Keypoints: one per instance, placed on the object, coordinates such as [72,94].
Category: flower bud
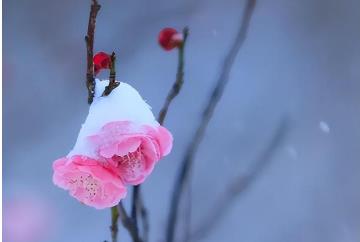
[101,61]
[170,38]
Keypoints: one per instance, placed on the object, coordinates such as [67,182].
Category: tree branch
[144,219]
[138,205]
[241,184]
[128,223]
[114,223]
[135,206]
[89,39]
[112,78]
[208,112]
[90,84]
[174,91]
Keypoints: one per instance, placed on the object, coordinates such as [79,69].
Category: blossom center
[130,164]
[84,184]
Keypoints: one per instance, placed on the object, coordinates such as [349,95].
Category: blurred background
[301,60]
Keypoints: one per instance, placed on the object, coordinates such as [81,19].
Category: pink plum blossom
[119,144]
[88,181]
[132,149]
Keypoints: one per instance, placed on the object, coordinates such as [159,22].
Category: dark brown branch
[135,206]
[128,223]
[241,184]
[208,112]
[138,205]
[112,78]
[90,84]
[144,219]
[89,39]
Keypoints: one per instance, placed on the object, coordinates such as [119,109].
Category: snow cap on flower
[170,38]
[101,61]
[123,104]
[120,136]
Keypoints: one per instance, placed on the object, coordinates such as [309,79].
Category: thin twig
[114,223]
[128,223]
[90,84]
[179,79]
[144,219]
[135,206]
[89,39]
[188,211]
[241,184]
[112,78]
[138,205]
[206,117]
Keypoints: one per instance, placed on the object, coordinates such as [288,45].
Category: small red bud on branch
[170,38]
[101,61]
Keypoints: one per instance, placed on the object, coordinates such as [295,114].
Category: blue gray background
[301,59]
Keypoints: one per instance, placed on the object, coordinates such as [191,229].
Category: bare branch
[138,205]
[144,219]
[114,223]
[128,223]
[188,211]
[89,39]
[241,184]
[112,79]
[90,84]
[208,112]
[178,82]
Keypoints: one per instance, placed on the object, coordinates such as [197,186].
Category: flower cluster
[118,145]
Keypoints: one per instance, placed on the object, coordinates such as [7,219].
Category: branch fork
[112,79]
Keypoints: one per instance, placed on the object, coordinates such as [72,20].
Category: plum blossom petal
[163,137]
[119,144]
[88,181]
[133,149]
[123,104]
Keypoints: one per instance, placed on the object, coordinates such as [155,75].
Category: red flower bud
[101,61]
[169,38]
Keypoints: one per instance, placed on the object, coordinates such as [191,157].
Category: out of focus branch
[208,112]
[114,223]
[187,212]
[89,39]
[144,218]
[128,223]
[138,205]
[241,184]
